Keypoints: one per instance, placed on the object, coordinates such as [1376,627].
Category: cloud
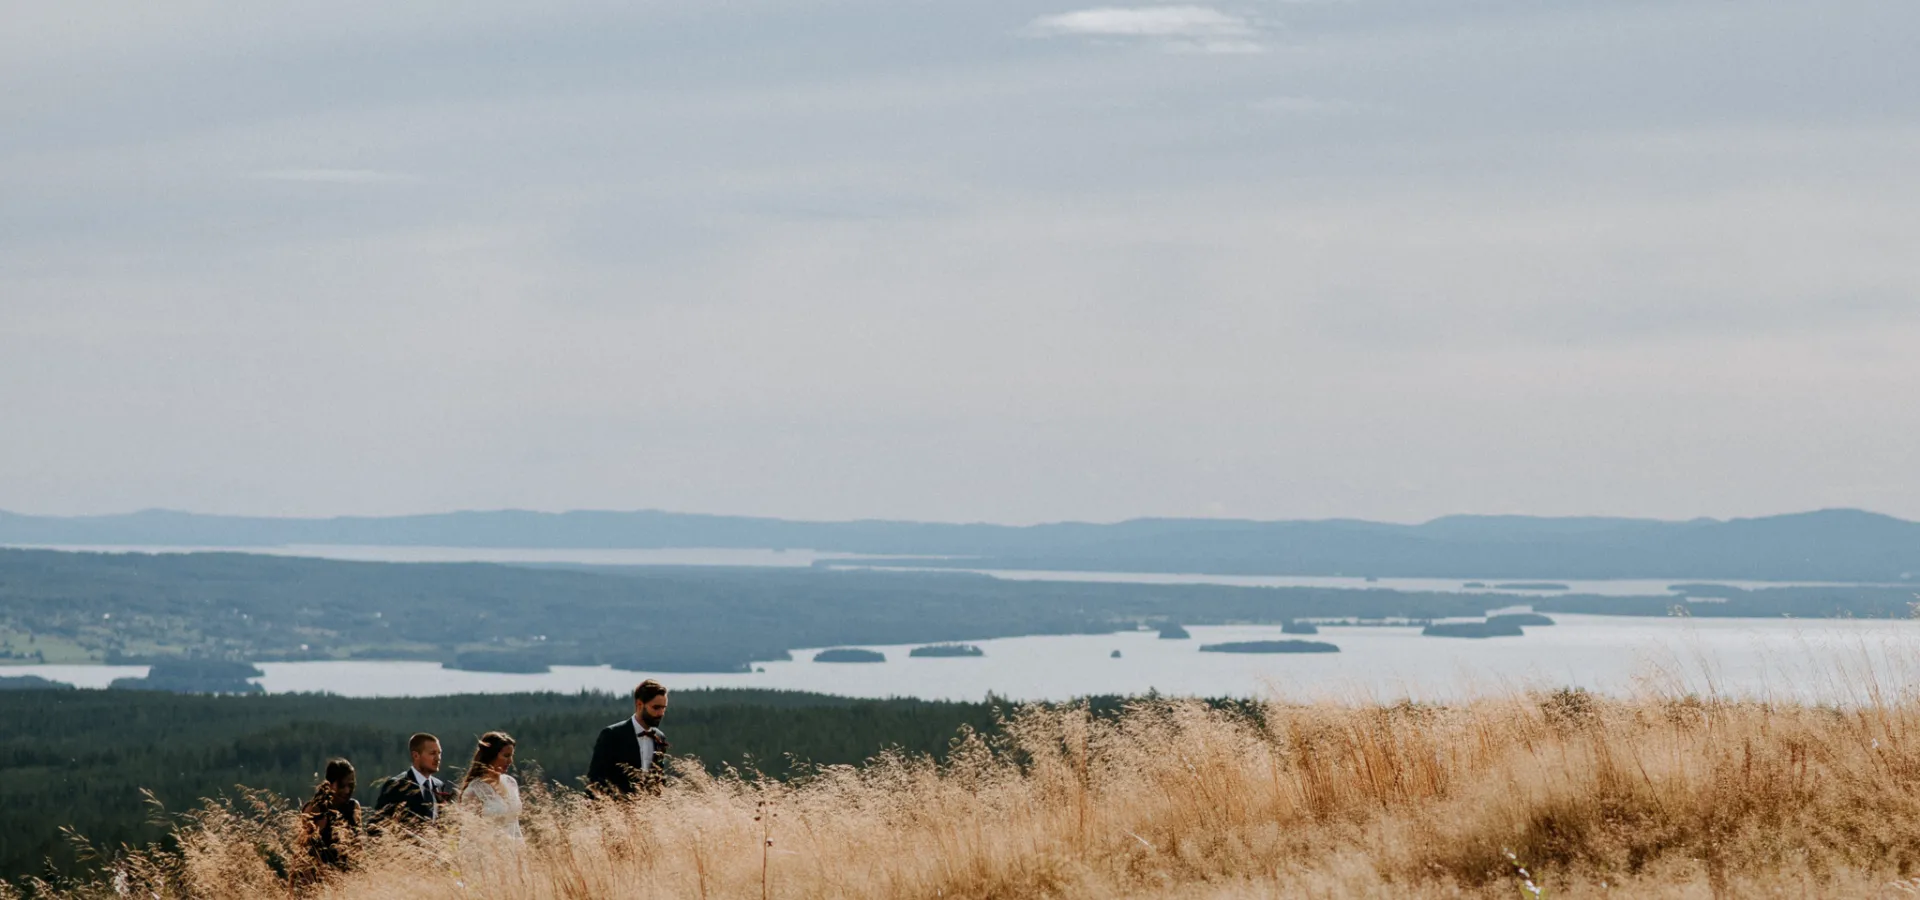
[333,176]
[928,260]
[1201,29]
[1307,106]
[1150,21]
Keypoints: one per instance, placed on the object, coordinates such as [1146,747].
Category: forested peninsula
[61,607]
[135,607]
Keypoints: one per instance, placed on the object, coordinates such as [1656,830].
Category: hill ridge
[1835,544]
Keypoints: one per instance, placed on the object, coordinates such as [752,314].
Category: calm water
[693,556]
[1828,660]
[1618,587]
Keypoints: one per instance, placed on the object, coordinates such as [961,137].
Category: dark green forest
[81,758]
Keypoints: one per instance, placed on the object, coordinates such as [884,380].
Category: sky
[977,260]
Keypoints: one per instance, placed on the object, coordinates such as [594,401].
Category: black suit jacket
[616,760]
[401,797]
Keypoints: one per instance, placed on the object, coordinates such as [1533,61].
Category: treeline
[81,758]
[1723,601]
[252,608]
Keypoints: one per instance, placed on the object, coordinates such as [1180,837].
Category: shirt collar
[420,779]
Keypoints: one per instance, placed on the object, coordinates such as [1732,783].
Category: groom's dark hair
[420,740]
[647,690]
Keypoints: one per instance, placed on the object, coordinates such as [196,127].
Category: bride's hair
[338,771]
[491,745]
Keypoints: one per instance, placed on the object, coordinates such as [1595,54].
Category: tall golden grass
[1574,794]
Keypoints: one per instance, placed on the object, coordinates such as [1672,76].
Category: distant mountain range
[1827,545]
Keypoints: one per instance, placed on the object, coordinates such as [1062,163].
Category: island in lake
[849,655]
[1487,629]
[509,661]
[195,676]
[1270,647]
[947,650]
[1292,627]
[1706,590]
[1527,618]
[1172,631]
[1533,586]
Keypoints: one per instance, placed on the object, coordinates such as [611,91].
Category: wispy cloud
[1147,21]
[1200,29]
[333,176]
[1309,106]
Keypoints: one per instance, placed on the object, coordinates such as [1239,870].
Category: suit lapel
[424,797]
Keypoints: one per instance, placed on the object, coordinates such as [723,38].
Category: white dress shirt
[426,787]
[646,745]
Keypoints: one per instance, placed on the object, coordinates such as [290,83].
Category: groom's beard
[651,721]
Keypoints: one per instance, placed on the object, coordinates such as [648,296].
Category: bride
[488,786]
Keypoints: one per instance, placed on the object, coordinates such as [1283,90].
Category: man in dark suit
[416,795]
[628,755]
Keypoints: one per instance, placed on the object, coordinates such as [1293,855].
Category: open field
[1649,797]
[22,647]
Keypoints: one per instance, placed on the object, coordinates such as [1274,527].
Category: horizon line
[955,524]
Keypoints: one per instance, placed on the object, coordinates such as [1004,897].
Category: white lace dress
[499,806]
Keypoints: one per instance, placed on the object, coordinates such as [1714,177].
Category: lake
[688,556]
[1618,587]
[1836,660]
[1748,656]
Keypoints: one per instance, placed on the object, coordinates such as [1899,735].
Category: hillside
[1827,545]
[107,746]
[1564,795]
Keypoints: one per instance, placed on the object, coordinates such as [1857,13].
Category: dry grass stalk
[1654,797]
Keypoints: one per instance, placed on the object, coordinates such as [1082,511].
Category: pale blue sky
[961,260]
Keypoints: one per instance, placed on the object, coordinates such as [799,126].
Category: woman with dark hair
[489,787]
[330,822]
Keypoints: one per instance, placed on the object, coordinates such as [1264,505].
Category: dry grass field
[1554,795]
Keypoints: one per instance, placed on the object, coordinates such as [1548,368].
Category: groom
[416,795]
[627,756]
